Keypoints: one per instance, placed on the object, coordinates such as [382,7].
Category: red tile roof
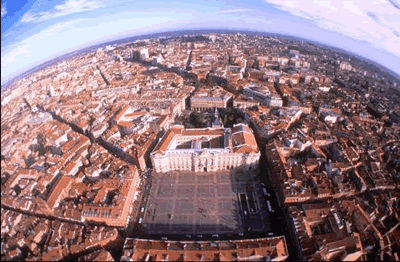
[63,184]
[209,251]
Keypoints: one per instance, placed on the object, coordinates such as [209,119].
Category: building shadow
[212,205]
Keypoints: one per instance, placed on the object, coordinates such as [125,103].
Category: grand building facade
[209,102]
[206,149]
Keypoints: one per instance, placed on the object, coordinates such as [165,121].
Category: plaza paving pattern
[185,202]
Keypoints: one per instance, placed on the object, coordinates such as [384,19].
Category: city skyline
[212,146]
[35,32]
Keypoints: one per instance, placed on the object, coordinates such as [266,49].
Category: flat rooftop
[186,202]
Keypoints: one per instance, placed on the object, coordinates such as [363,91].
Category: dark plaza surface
[186,202]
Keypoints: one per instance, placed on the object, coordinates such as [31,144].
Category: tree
[41,139]
[209,81]
[197,119]
[29,161]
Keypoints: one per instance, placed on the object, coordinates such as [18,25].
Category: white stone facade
[204,161]
[208,149]
[206,103]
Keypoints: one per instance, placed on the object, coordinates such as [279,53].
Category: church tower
[217,120]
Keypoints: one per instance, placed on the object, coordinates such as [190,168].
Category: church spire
[217,120]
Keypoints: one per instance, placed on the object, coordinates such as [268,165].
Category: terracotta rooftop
[139,113]
[121,113]
[209,251]
[62,185]
[125,123]
[243,139]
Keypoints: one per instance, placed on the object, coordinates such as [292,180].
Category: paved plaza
[186,202]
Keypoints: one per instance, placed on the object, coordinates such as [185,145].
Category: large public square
[209,203]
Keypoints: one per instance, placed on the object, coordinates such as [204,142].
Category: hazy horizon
[34,32]
[169,33]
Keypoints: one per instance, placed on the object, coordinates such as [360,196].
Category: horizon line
[7,83]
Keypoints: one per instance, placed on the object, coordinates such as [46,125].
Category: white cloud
[66,8]
[17,52]
[292,4]
[13,55]
[324,4]
[3,10]
[228,11]
[375,22]
[349,5]
[59,26]
[28,17]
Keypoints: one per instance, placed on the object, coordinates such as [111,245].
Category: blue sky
[36,31]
